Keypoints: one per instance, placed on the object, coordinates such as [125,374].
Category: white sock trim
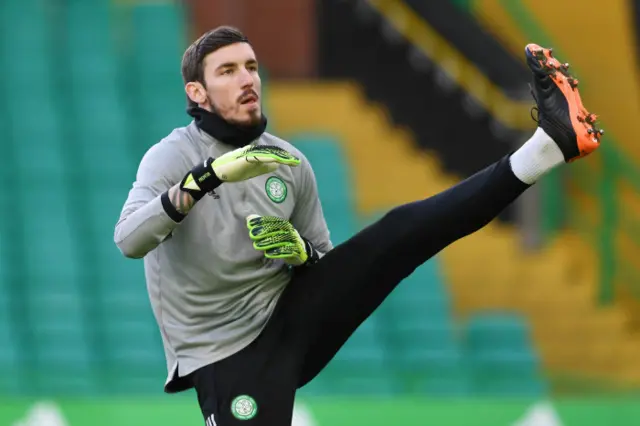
[537,157]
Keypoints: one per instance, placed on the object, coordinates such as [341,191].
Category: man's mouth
[249,100]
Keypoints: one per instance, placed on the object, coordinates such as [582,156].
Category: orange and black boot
[560,111]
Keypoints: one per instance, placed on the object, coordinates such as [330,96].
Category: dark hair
[209,42]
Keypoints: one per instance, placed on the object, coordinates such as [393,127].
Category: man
[251,298]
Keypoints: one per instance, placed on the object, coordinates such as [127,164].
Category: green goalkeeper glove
[235,166]
[278,239]
[251,161]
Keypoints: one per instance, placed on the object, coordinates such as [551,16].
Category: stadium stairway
[614,76]
[446,92]
[516,23]
[555,288]
[513,23]
[562,27]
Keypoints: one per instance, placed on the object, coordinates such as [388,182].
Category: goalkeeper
[251,299]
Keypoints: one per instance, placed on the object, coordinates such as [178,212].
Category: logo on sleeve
[276,189]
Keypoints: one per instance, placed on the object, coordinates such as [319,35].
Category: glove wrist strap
[200,180]
[312,253]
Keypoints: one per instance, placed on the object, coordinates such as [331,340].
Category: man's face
[233,85]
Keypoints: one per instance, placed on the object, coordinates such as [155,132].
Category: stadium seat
[501,356]
[421,335]
[333,180]
[100,133]
[23,42]
[363,351]
[157,42]
[132,339]
[501,372]
[9,357]
[497,330]
[40,143]
[9,331]
[28,80]
[433,371]
[361,365]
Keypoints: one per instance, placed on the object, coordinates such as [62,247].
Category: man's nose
[246,80]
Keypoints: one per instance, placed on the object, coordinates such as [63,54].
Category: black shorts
[257,385]
[326,302]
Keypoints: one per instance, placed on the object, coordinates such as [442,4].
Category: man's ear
[196,92]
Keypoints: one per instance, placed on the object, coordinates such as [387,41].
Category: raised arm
[166,190]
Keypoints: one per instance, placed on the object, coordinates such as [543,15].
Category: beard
[252,119]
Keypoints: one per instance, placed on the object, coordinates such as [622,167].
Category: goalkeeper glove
[235,166]
[278,239]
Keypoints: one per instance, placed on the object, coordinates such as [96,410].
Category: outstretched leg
[338,293]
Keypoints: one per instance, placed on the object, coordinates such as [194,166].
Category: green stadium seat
[23,43]
[10,372]
[415,310]
[101,133]
[88,26]
[376,384]
[158,41]
[427,360]
[363,350]
[501,356]
[534,387]
[91,72]
[58,322]
[103,152]
[433,371]
[52,254]
[332,178]
[361,365]
[452,385]
[159,35]
[420,306]
[9,356]
[55,309]
[500,362]
[134,343]
[164,111]
[372,383]
[437,335]
[131,336]
[38,141]
[497,330]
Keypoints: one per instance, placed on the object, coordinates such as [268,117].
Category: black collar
[224,131]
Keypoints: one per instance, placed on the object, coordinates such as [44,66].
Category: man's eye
[228,72]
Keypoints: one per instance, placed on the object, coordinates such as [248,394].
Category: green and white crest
[276,189]
[244,407]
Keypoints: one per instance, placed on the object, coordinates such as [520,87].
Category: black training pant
[325,303]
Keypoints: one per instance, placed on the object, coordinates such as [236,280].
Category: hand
[251,161]
[278,239]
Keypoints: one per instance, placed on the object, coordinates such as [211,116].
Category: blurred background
[533,321]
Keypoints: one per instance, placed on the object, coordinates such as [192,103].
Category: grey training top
[211,292]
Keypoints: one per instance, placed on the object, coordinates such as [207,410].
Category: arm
[307,216]
[156,204]
[163,194]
